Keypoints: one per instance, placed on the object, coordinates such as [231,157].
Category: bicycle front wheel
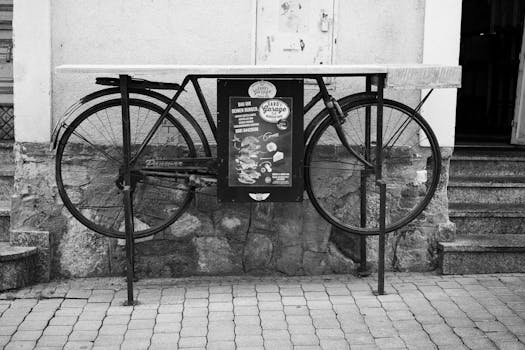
[343,189]
[89,169]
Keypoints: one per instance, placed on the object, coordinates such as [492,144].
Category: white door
[518,125]
[294,32]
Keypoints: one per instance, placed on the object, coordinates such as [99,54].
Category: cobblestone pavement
[420,311]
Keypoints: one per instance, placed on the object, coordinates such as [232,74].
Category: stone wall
[213,239]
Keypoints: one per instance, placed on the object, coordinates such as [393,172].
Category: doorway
[491,41]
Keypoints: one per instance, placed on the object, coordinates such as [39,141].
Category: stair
[19,265]
[483,254]
[486,195]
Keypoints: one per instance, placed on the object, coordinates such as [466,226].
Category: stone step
[475,254]
[498,190]
[487,165]
[487,218]
[17,266]
[5,215]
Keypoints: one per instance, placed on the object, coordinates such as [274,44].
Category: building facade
[216,239]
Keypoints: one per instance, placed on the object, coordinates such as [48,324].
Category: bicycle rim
[89,169]
[344,191]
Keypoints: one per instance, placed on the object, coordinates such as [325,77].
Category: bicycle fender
[61,124]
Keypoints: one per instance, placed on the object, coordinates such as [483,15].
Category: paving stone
[221,345]
[304,339]
[7,330]
[80,336]
[192,342]
[20,345]
[390,343]
[113,329]
[480,343]
[26,335]
[108,340]
[135,345]
[63,321]
[333,344]
[141,324]
[277,313]
[248,340]
[52,340]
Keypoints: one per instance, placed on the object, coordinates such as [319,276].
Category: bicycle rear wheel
[89,169]
[343,189]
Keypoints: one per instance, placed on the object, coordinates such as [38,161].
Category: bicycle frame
[323,94]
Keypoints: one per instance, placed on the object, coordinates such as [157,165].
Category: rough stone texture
[257,252]
[17,266]
[5,218]
[41,240]
[158,257]
[82,252]
[232,221]
[460,263]
[215,256]
[213,238]
[483,254]
[495,219]
[189,225]
[7,170]
[413,247]
[289,260]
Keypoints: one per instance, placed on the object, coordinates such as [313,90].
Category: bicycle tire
[186,117]
[411,168]
[88,173]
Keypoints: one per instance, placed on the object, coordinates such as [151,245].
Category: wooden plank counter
[398,76]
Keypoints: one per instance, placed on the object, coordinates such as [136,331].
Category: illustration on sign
[260,133]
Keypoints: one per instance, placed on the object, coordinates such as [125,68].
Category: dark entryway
[491,35]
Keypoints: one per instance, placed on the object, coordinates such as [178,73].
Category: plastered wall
[194,32]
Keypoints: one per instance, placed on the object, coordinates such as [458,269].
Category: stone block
[232,221]
[206,199]
[157,258]
[42,241]
[5,218]
[263,216]
[190,224]
[315,263]
[483,254]
[316,230]
[289,260]
[17,266]
[339,263]
[215,256]
[81,252]
[288,221]
[257,252]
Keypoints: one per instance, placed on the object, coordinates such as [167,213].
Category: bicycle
[171,158]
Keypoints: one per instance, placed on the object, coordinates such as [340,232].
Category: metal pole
[381,184]
[382,219]
[362,270]
[127,200]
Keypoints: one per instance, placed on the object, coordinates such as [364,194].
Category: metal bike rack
[377,79]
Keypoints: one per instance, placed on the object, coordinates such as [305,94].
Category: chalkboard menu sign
[260,140]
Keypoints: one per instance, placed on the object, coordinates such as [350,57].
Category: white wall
[147,32]
[32,70]
[208,32]
[441,46]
